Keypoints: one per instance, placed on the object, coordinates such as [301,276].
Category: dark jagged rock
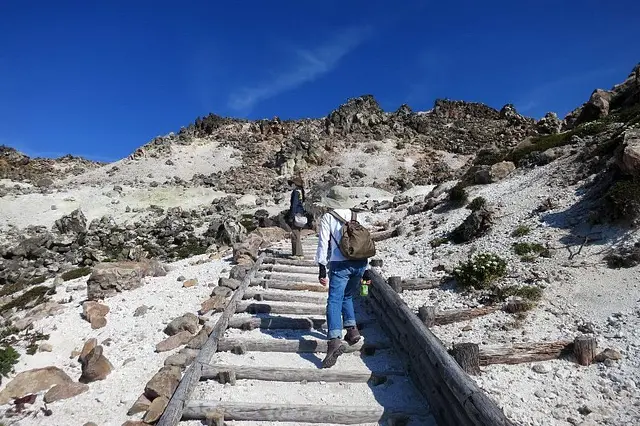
[75,223]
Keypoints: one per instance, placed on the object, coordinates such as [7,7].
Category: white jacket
[330,232]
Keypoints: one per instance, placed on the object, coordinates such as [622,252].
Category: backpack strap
[337,217]
[354,216]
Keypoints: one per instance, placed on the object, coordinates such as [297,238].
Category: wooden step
[299,413]
[289,285]
[276,276]
[290,269]
[240,345]
[296,297]
[280,308]
[284,374]
[291,262]
[287,323]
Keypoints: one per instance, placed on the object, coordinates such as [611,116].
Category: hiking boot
[335,348]
[353,335]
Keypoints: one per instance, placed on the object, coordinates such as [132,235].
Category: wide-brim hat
[296,180]
[338,198]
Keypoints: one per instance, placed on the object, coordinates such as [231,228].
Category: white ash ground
[132,339]
[576,291]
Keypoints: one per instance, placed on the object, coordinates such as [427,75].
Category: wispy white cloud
[307,65]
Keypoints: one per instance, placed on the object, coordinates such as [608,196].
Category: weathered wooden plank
[443,404]
[290,269]
[280,308]
[265,295]
[174,410]
[300,413]
[480,409]
[421,283]
[282,345]
[280,374]
[281,276]
[289,285]
[524,352]
[291,262]
[283,323]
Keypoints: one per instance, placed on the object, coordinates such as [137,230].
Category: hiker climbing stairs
[261,363]
[267,364]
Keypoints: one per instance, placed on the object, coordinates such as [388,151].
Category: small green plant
[8,358]
[623,199]
[12,288]
[527,292]
[528,258]
[523,249]
[437,242]
[521,231]
[76,273]
[458,195]
[190,248]
[32,349]
[477,204]
[480,271]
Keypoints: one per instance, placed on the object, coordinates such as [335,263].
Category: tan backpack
[356,242]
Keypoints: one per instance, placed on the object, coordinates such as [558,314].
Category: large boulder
[33,381]
[501,170]
[474,226]
[163,383]
[73,223]
[597,107]
[550,124]
[187,322]
[108,279]
[95,366]
[357,114]
[629,161]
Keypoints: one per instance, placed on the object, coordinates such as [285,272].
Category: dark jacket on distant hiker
[296,209]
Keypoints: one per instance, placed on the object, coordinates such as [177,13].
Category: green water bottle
[364,288]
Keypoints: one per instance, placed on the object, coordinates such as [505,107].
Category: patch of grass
[36,281]
[39,294]
[8,358]
[523,249]
[12,288]
[542,143]
[527,292]
[480,271]
[190,248]
[477,204]
[458,195]
[437,242]
[521,231]
[528,258]
[76,273]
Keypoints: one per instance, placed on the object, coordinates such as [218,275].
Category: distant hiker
[343,246]
[297,217]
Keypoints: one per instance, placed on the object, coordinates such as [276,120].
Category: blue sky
[101,80]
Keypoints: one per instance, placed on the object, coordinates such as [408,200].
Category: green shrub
[8,358]
[623,198]
[527,292]
[12,288]
[477,204]
[523,249]
[458,195]
[521,231]
[190,248]
[480,271]
[528,258]
[76,273]
[437,242]
[36,293]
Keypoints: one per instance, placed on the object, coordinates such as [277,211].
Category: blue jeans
[344,279]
